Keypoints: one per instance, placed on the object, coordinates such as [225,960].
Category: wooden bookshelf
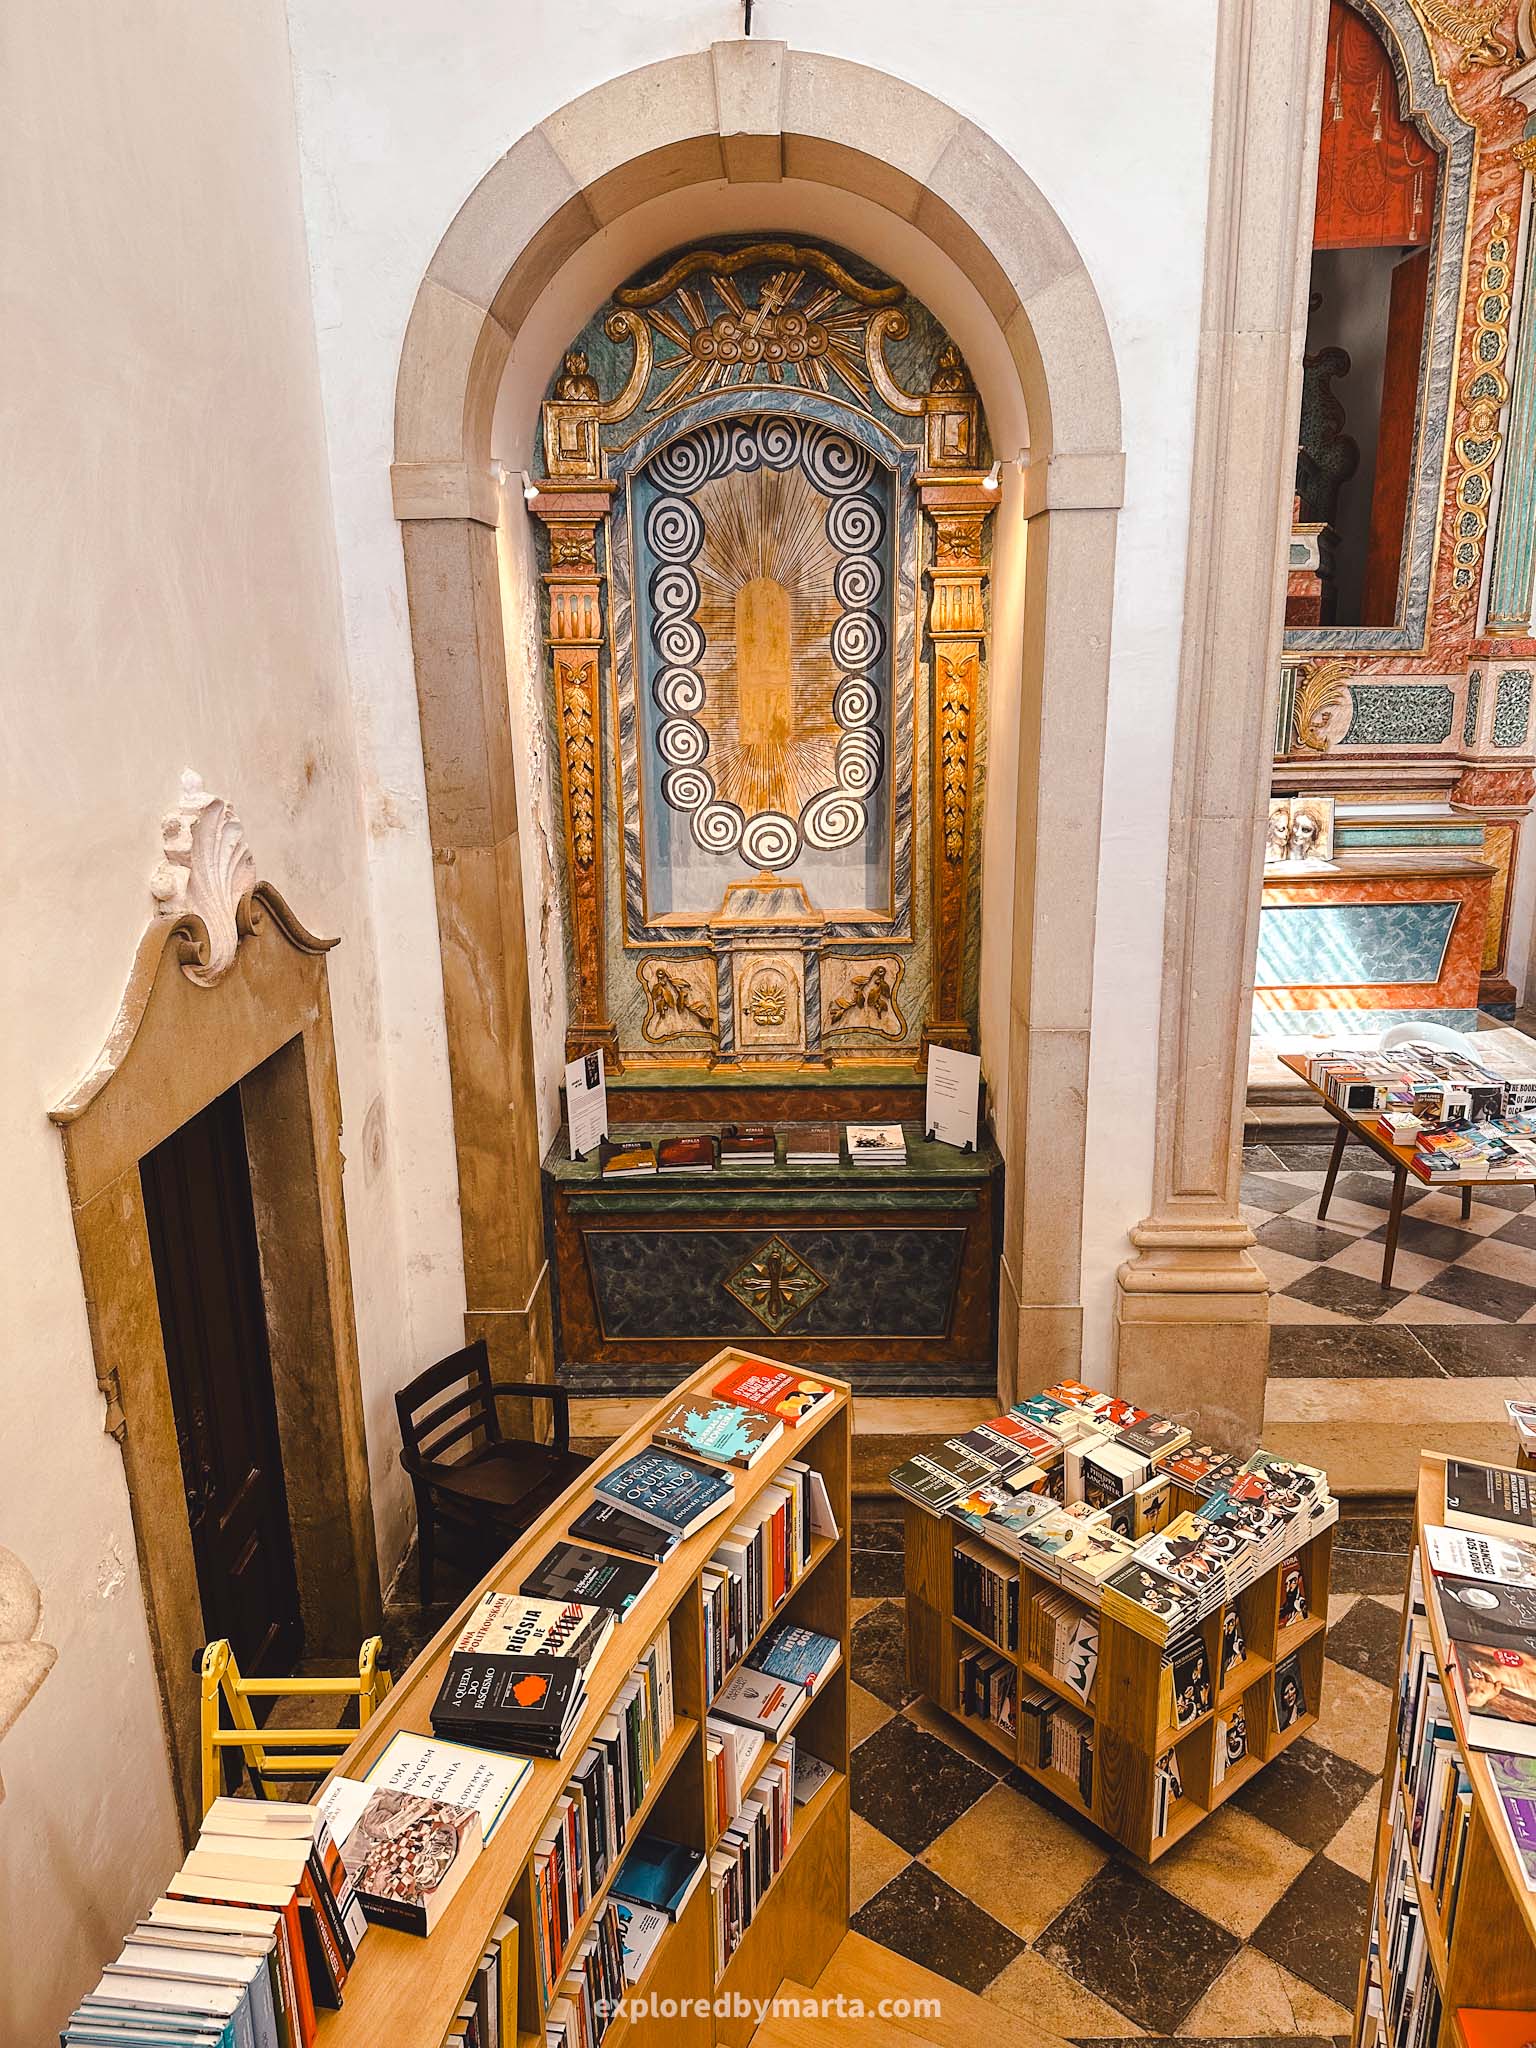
[1489,1962]
[407,1991]
[1129,1733]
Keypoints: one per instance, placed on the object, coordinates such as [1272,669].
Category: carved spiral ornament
[841,471]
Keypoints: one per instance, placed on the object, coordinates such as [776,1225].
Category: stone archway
[758,112]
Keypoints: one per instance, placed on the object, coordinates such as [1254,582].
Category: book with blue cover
[668,1492]
[724,1432]
[659,1873]
[798,1654]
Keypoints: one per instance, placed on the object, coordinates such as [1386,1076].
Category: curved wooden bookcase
[406,1991]
[1489,1963]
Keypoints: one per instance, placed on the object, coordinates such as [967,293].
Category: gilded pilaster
[573,514]
[958,509]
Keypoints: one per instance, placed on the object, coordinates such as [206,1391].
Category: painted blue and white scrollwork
[856,526]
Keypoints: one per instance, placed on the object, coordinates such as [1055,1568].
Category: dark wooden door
[202,1235]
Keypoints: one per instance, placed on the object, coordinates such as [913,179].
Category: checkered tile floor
[1250,1930]
[1482,1270]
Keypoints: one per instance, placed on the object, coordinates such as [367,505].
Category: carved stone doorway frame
[263,1023]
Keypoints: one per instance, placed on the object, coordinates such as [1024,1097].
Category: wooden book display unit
[406,1991]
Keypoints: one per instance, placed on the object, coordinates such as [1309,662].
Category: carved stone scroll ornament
[25,1660]
[1470,25]
[1325,705]
[205,872]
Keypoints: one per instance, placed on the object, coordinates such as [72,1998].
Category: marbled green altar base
[885,1275]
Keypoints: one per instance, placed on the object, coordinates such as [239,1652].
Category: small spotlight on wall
[992,481]
[530,488]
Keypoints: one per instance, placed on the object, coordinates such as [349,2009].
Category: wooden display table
[405,1992]
[1129,1735]
[1398,1157]
[1489,1961]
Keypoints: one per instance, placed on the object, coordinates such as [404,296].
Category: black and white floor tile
[1450,1271]
[1250,1930]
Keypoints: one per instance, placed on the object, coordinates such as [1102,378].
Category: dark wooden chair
[464,1471]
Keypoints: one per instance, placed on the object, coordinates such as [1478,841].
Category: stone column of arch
[1192,1315]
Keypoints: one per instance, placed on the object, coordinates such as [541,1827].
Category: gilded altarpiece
[1418,724]
[763,503]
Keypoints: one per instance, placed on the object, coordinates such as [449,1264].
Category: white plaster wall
[171,600]
[402,108]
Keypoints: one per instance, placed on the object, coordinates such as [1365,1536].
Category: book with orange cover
[777,1390]
[1496,2029]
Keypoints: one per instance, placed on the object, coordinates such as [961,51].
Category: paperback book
[659,1874]
[876,1145]
[670,1493]
[778,1391]
[570,1573]
[723,1432]
[1465,1555]
[528,1704]
[612,1527]
[407,1856]
[1489,1500]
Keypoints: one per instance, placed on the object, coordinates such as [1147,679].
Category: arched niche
[759,113]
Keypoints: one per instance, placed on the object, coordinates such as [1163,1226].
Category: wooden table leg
[1466,1203]
[1339,1143]
[1394,1218]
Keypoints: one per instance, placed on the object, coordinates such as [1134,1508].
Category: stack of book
[1056,1737]
[782,1676]
[627,1159]
[1084,1488]
[258,1928]
[731,1752]
[516,1676]
[674,1495]
[985,1687]
[718,1432]
[1483,1565]
[986,1595]
[589,1992]
[1063,1639]
[686,1155]
[592,1820]
[748,1145]
[755,1568]
[1148,1601]
[876,1145]
[811,1145]
[750,1853]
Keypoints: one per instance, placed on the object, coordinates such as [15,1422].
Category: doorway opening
[201,1220]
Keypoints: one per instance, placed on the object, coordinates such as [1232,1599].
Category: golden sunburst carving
[767,607]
